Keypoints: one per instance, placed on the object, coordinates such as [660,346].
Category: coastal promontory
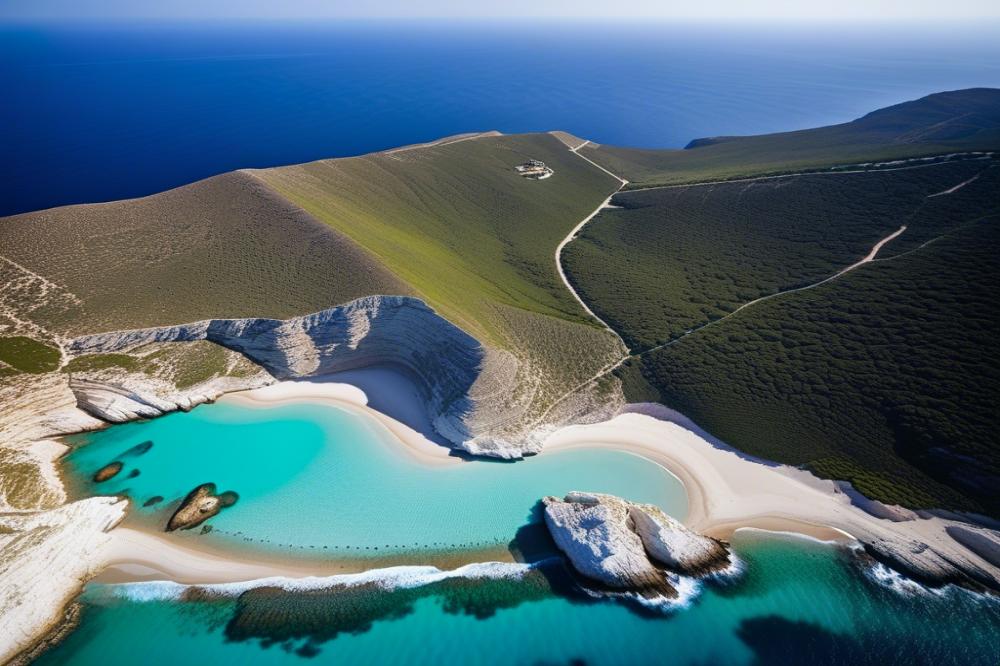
[627,546]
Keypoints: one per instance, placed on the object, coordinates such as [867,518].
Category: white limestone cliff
[452,367]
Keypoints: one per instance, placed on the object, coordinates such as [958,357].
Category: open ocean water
[96,113]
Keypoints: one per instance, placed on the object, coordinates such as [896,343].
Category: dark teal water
[92,113]
[797,603]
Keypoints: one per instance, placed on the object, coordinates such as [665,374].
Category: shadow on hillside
[393,391]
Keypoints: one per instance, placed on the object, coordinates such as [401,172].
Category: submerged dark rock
[199,505]
[109,471]
[138,449]
[155,499]
[134,473]
[304,620]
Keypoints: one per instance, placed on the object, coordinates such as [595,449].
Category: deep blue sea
[93,113]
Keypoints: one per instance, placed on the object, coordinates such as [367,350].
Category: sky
[680,10]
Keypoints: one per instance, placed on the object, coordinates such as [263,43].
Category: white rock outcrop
[396,331]
[129,396]
[671,544]
[37,407]
[33,410]
[594,533]
[626,546]
[45,557]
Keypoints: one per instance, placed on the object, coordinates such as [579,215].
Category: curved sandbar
[727,490]
[490,521]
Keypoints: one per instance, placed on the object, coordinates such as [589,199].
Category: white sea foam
[389,578]
[794,535]
[897,582]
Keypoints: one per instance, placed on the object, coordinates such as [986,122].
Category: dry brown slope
[222,247]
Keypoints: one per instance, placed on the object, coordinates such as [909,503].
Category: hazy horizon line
[499,20]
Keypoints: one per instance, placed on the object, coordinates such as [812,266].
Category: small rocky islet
[199,505]
[114,468]
[629,547]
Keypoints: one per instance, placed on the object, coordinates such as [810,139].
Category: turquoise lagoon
[797,602]
[315,480]
[310,475]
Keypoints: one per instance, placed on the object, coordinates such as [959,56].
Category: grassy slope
[451,223]
[888,377]
[458,224]
[674,258]
[933,125]
[222,247]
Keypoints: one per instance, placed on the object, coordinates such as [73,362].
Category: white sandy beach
[727,490]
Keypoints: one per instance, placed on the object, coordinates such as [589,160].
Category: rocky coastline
[398,331]
[650,552]
[630,547]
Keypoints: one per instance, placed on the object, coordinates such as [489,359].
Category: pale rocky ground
[47,556]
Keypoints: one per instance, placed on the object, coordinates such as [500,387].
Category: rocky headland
[629,547]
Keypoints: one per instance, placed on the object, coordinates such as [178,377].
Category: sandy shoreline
[136,555]
[727,490]
[351,398]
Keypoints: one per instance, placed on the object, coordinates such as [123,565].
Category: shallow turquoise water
[317,480]
[796,603]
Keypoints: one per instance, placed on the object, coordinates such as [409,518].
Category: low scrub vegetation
[24,354]
[888,377]
[222,247]
[672,259]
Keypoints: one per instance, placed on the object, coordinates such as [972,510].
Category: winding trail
[572,234]
[870,257]
[956,188]
[832,171]
[867,259]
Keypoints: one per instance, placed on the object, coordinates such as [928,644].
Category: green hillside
[457,223]
[934,125]
[670,259]
[888,377]
[449,222]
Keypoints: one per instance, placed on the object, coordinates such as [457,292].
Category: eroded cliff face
[459,377]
